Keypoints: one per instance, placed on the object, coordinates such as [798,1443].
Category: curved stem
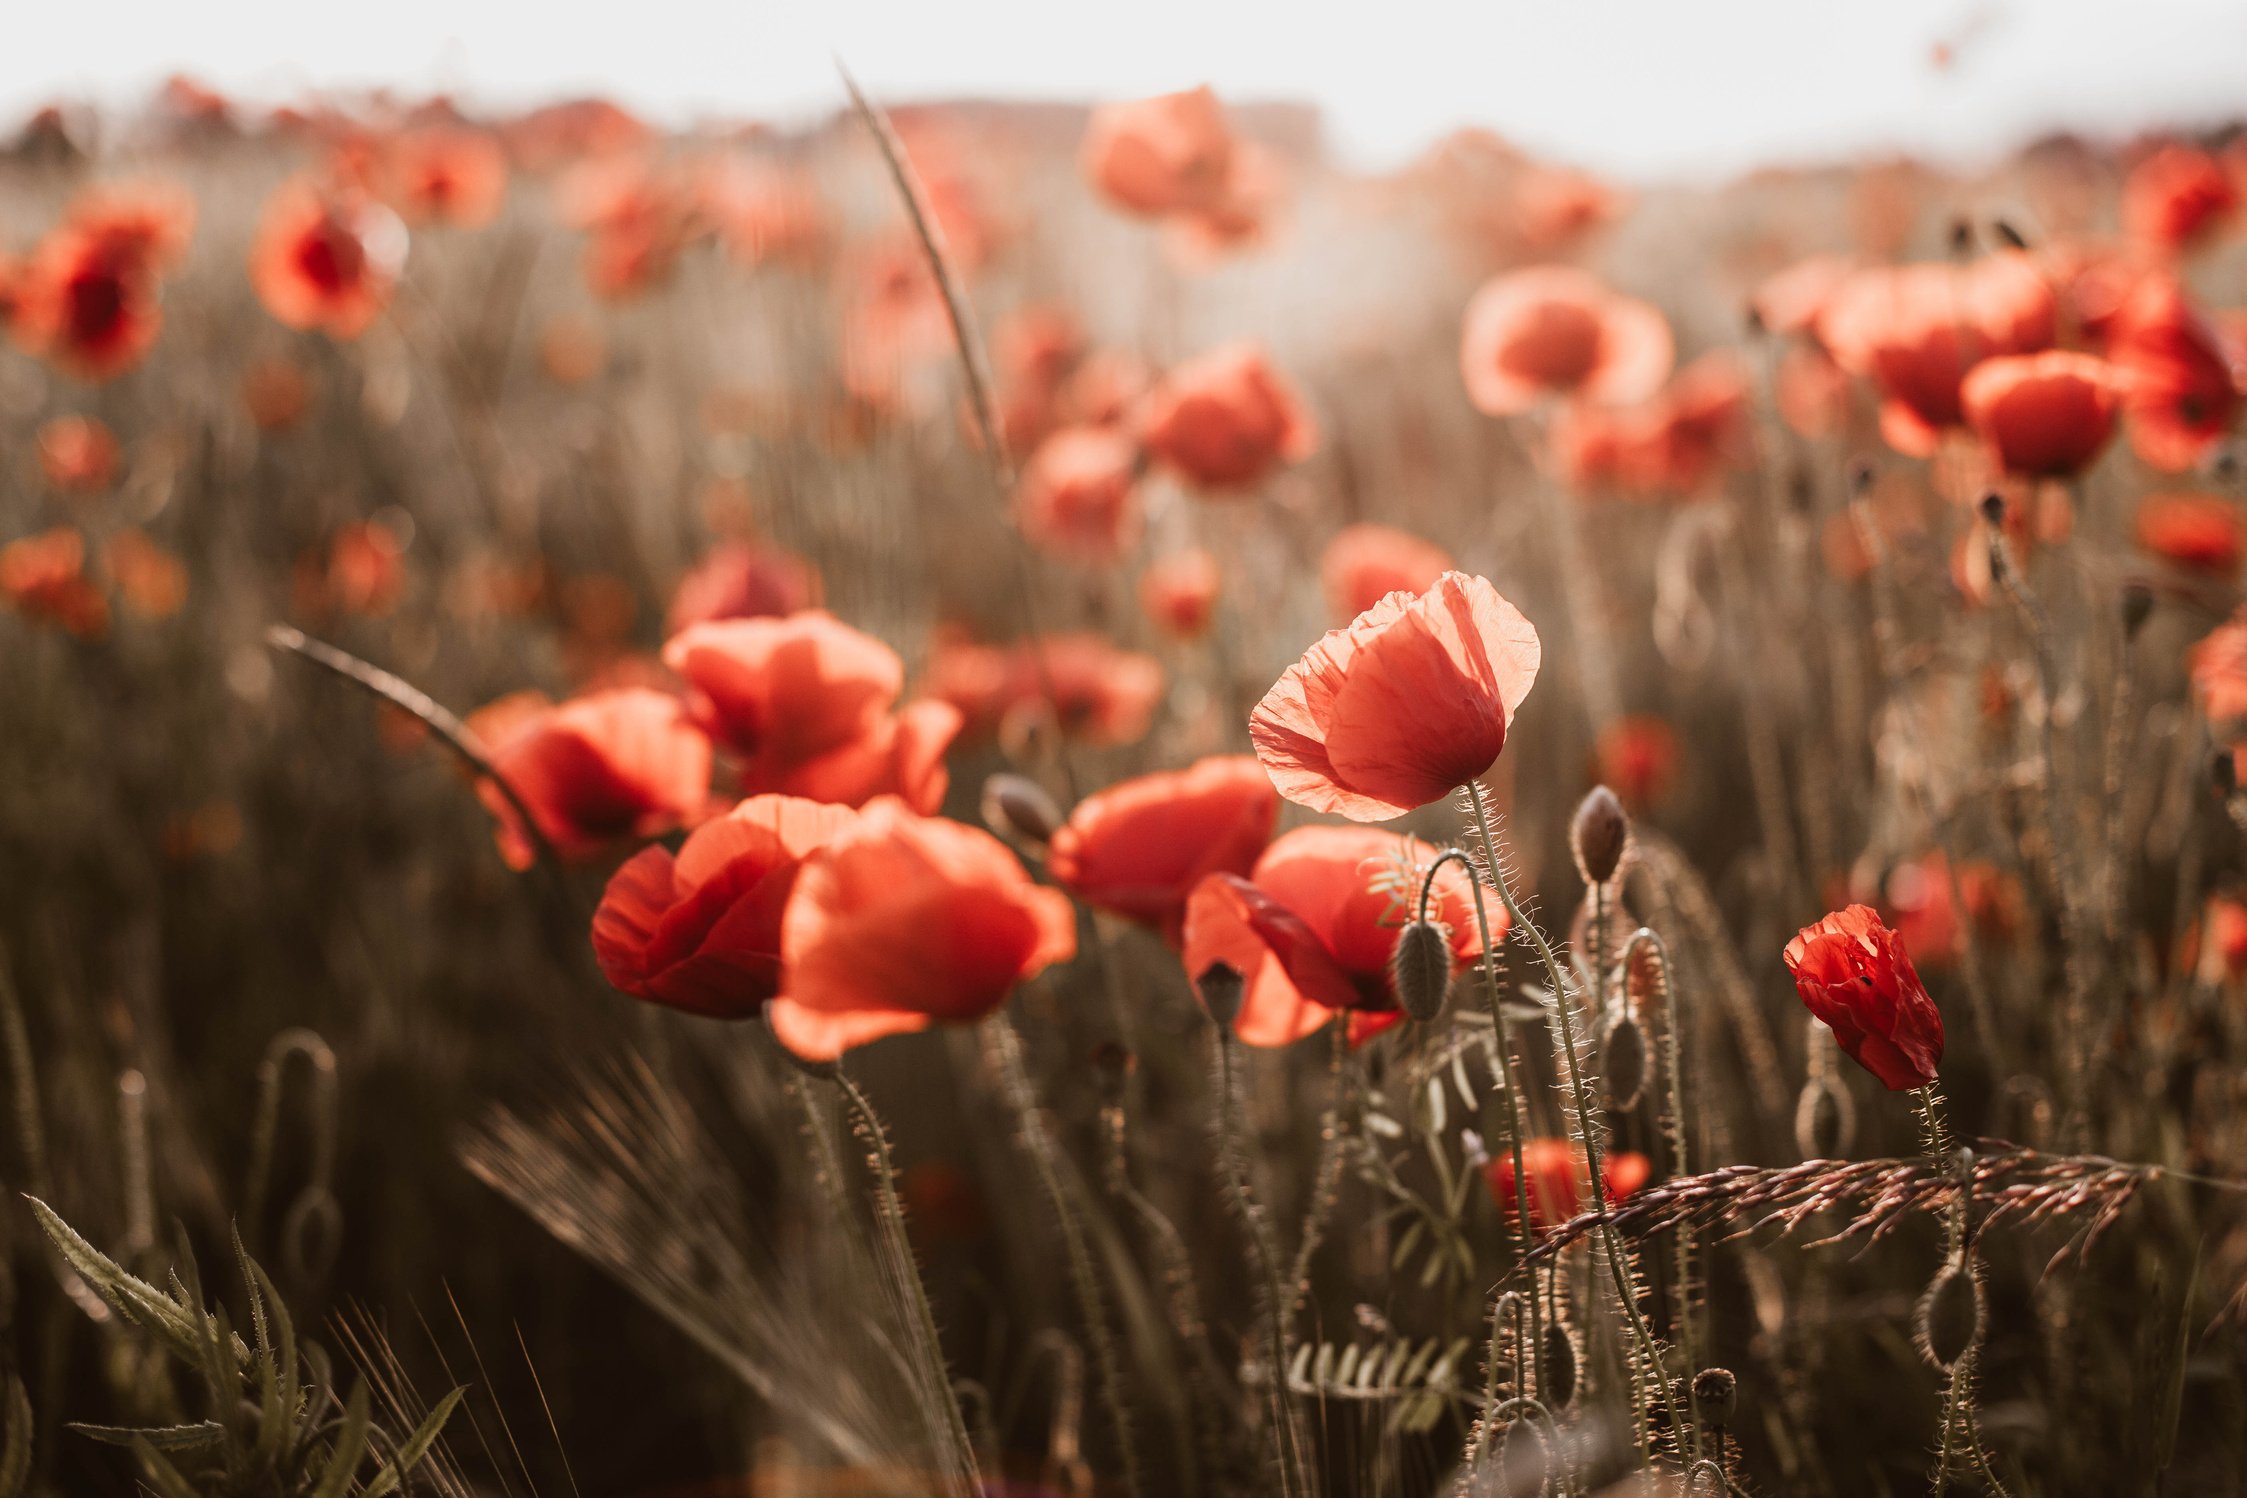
[1233,1155]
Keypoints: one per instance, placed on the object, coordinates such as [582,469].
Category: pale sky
[1637,88]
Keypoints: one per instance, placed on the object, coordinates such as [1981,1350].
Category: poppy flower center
[330,257]
[1557,344]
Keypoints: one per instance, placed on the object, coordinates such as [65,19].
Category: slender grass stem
[1327,1181]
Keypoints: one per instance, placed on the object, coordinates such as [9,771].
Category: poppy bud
[1560,1365]
[1962,237]
[2014,238]
[1716,1394]
[1645,980]
[1622,1057]
[2137,607]
[1993,508]
[1825,1121]
[1599,834]
[1862,473]
[1221,988]
[1949,1318]
[1018,809]
[1420,970]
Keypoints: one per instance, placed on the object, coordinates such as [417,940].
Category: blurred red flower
[2218,668]
[2178,394]
[276,392]
[326,260]
[44,577]
[2046,415]
[1139,847]
[2176,197]
[1637,757]
[1178,592]
[1227,420]
[151,581]
[1313,926]
[742,580]
[1928,903]
[597,769]
[87,298]
[2200,532]
[1793,300]
[765,212]
[1854,974]
[639,220]
[1075,494]
[1556,1169]
[1169,154]
[447,174]
[78,454]
[1401,708]
[900,921]
[1678,443]
[1556,331]
[1812,392]
[1365,563]
[701,931]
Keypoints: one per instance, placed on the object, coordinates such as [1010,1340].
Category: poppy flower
[1169,154]
[2178,397]
[276,393]
[2176,197]
[1075,496]
[742,580]
[1178,592]
[78,454]
[1227,420]
[765,212]
[1365,563]
[447,174]
[1138,848]
[1931,905]
[1240,218]
[899,921]
[2199,532]
[1853,974]
[597,769]
[1556,206]
[701,931]
[1409,702]
[1034,350]
[638,220]
[2223,940]
[2045,415]
[1637,757]
[151,581]
[2218,668]
[1915,330]
[326,260]
[87,302]
[1555,1168]
[1811,391]
[1556,331]
[44,577]
[808,703]
[1675,443]
[1313,926]
[1791,301]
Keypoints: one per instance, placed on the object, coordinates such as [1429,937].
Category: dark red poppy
[742,580]
[2178,395]
[88,301]
[44,577]
[2046,415]
[1365,563]
[1854,975]
[1227,420]
[447,174]
[1553,331]
[2177,197]
[1139,847]
[2199,532]
[899,921]
[1076,494]
[594,771]
[1401,708]
[701,931]
[1178,592]
[326,259]
[1557,1172]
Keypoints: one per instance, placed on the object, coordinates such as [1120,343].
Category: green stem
[1327,1181]
[1674,1136]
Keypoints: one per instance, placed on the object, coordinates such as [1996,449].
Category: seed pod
[1598,835]
[2137,606]
[1420,970]
[1716,1394]
[1560,1365]
[1825,1121]
[1993,508]
[1622,1061]
[1948,1323]
[1018,809]
[1221,988]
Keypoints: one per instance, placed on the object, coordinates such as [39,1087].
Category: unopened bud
[1825,1121]
[2137,606]
[1560,1365]
[1420,970]
[1716,1395]
[2014,238]
[1018,809]
[1962,237]
[1645,979]
[1221,987]
[1598,835]
[1949,1318]
[1622,1059]
[1993,508]
[1862,474]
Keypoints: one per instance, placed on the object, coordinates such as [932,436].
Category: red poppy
[1365,563]
[152,581]
[1169,154]
[766,213]
[1227,420]
[1035,349]
[276,392]
[639,220]
[1556,1169]
[1792,300]
[1637,756]
[701,932]
[1676,443]
[1811,391]
[44,577]
[1554,330]
[1407,704]
[1915,330]
[1241,218]
[2200,532]
[1099,694]
[742,580]
[1557,206]
[2178,396]
[326,260]
[78,454]
[89,303]
[2218,667]
[1075,496]
[1929,902]
[1313,926]
[1854,974]
[597,769]
[447,174]
[1178,592]
[1138,848]
[366,571]
[2175,197]
[2224,940]
[2045,415]
[900,921]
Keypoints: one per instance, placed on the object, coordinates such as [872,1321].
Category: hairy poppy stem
[1326,1183]
[1618,1265]
[1673,1132]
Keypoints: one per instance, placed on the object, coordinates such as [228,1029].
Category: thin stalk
[1182,1299]
[1586,1123]
[1327,1181]
[1674,1135]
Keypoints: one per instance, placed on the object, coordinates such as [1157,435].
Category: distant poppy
[1792,300]
[571,350]
[2175,197]
[2178,395]
[701,931]
[44,577]
[2223,940]
[79,454]
[1409,702]
[152,581]
[1178,592]
[1034,351]
[1637,756]
[1677,443]
[638,218]
[1313,927]
[1365,563]
[1556,1169]
[1227,420]
[1139,847]
[765,212]
[1557,206]
[1931,905]
[87,302]
[366,571]
[1811,391]
[1075,496]
[447,174]
[2199,532]
[595,770]
[1241,217]
[742,580]
[1555,331]
[326,260]
[899,921]
[2046,415]
[1853,974]
[2217,665]
[276,392]
[1169,154]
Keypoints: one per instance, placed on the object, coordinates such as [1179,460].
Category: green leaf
[160,1474]
[417,1445]
[350,1446]
[193,1437]
[2171,1409]
[15,1452]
